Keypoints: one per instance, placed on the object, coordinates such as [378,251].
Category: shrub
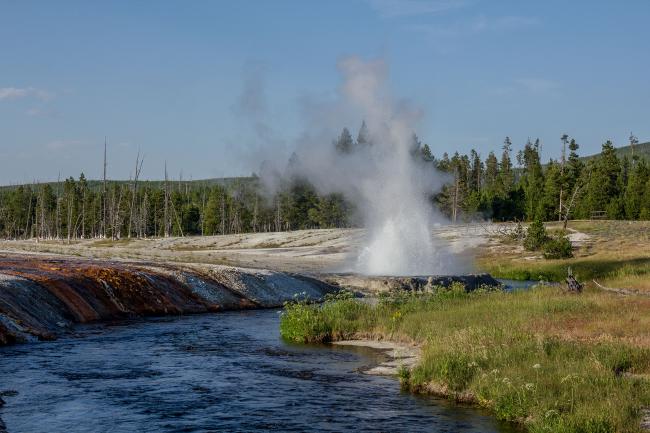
[536,236]
[558,248]
[303,322]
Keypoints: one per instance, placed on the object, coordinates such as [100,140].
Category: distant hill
[641,149]
[174,184]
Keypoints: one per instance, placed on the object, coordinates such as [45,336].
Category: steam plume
[388,183]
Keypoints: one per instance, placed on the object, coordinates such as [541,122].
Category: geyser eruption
[395,190]
[382,173]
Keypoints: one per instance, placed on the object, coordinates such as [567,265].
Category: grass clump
[304,321]
[549,361]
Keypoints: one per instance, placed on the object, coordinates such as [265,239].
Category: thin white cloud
[9,93]
[449,37]
[478,25]
[401,8]
[514,22]
[528,85]
[538,85]
[63,144]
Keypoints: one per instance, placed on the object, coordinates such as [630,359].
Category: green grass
[584,269]
[616,255]
[549,361]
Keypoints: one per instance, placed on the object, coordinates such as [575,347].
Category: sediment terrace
[44,296]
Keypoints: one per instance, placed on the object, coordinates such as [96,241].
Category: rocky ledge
[373,285]
[42,297]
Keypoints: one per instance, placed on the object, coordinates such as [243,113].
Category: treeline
[72,210]
[522,188]
[500,188]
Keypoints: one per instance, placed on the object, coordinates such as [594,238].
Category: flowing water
[219,372]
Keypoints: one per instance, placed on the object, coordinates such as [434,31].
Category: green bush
[303,322]
[558,248]
[536,236]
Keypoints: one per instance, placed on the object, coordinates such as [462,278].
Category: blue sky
[166,77]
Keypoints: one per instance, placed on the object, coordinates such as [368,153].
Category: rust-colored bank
[42,297]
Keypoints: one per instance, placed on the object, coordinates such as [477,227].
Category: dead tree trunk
[134,191]
[104,196]
[567,211]
[166,211]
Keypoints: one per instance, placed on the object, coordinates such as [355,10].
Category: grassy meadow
[544,359]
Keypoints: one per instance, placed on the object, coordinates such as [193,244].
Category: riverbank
[544,359]
[42,297]
[400,355]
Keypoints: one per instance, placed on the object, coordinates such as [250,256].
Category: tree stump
[573,285]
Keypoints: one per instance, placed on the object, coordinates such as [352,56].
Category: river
[211,372]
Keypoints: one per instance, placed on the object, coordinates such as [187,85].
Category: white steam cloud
[390,186]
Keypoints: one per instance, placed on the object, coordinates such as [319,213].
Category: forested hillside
[504,185]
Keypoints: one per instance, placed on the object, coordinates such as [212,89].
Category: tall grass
[584,269]
[520,355]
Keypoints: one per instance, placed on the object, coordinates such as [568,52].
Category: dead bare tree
[454,211]
[567,209]
[69,213]
[223,213]
[29,213]
[134,190]
[104,196]
[58,207]
[166,211]
[565,140]
[203,203]
[178,221]
[115,231]
[633,142]
[144,216]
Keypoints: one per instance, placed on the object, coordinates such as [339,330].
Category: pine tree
[549,205]
[635,189]
[603,189]
[426,154]
[476,176]
[444,164]
[645,203]
[415,145]
[491,174]
[506,175]
[363,138]
[574,165]
[532,179]
[344,144]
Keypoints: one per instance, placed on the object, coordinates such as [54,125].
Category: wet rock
[42,297]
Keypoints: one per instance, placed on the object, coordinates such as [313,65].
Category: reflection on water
[219,372]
